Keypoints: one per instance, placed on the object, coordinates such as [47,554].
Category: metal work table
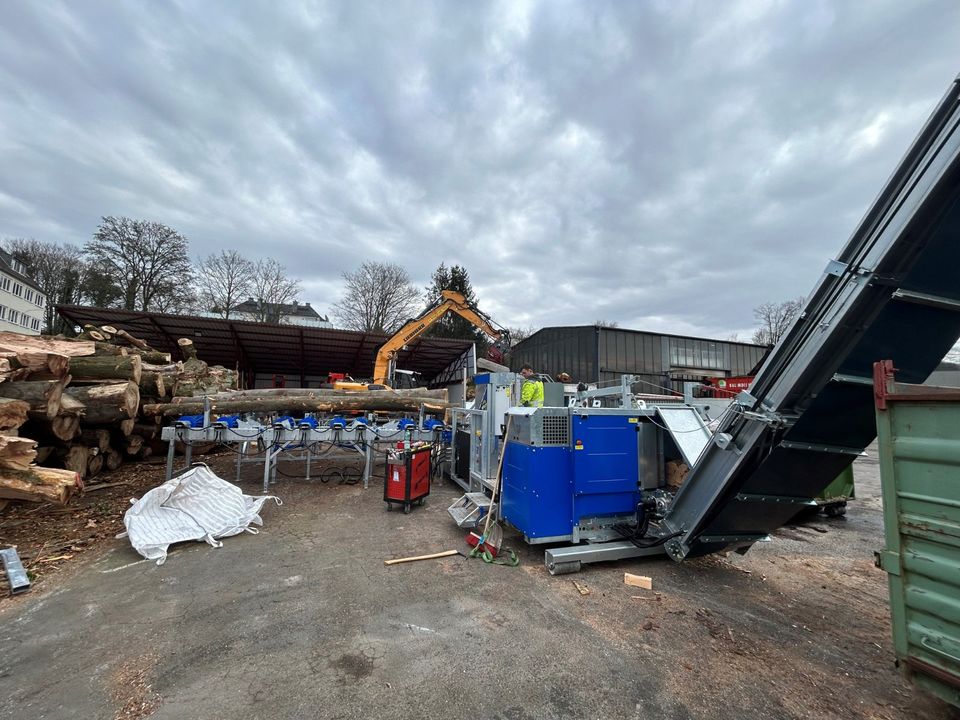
[298,442]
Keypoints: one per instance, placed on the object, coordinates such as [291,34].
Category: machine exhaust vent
[556,430]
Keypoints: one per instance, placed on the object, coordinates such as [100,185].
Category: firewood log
[39,483]
[43,396]
[104,403]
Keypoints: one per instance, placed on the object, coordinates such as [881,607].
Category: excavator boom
[450,301]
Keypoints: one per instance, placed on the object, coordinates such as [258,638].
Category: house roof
[6,264]
[271,348]
[292,309]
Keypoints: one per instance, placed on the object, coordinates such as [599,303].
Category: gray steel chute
[893,292]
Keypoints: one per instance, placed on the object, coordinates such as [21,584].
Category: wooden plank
[640,581]
[445,553]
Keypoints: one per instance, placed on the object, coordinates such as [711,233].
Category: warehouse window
[690,353]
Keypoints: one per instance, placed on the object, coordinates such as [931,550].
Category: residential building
[22,302]
[289,314]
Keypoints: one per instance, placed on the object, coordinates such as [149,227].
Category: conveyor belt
[893,292]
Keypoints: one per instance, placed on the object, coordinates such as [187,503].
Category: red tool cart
[408,477]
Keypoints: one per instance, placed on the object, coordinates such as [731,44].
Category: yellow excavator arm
[451,301]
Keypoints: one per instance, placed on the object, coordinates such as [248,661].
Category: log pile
[83,406]
[74,406]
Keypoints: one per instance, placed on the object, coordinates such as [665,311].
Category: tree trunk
[133,444]
[70,406]
[106,403]
[187,348]
[317,393]
[13,414]
[106,368]
[43,396]
[65,427]
[17,451]
[125,427]
[96,438]
[105,349]
[39,483]
[36,364]
[95,465]
[136,342]
[148,430]
[112,459]
[152,384]
[76,458]
[92,335]
[17,342]
[366,401]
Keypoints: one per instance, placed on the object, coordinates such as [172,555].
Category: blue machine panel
[537,490]
[606,464]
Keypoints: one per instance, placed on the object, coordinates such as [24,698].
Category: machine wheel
[836,510]
[421,501]
[389,507]
[565,568]
[406,509]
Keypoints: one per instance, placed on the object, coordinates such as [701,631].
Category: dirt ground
[304,620]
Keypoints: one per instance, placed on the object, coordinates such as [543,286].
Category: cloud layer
[665,165]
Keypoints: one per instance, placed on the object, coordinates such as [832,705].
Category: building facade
[662,362]
[22,302]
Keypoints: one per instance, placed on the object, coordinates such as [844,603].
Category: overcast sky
[665,165]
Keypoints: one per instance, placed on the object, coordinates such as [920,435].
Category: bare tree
[57,269]
[519,334]
[274,291]
[147,262]
[379,298]
[775,319]
[226,280]
[606,323]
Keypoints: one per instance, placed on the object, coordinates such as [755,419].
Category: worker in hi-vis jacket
[531,394]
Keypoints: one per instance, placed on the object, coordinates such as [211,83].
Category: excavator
[385,369]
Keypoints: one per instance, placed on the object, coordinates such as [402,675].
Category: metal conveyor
[893,292]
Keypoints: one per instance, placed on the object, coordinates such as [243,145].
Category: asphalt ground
[304,620]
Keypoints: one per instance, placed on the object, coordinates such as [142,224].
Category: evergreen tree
[455,278]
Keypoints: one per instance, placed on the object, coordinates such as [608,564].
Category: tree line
[146,266]
[380,297]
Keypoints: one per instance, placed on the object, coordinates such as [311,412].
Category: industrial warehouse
[576,482]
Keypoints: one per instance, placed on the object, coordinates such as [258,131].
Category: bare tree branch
[147,263]
[379,298]
[775,319]
[225,281]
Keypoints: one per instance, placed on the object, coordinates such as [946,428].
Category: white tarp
[197,505]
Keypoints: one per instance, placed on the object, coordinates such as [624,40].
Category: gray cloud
[667,165]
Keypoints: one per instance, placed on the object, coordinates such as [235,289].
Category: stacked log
[81,399]
[20,479]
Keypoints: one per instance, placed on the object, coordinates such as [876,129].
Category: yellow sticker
[578,447]
[633,419]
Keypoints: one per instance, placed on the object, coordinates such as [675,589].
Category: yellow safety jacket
[531,394]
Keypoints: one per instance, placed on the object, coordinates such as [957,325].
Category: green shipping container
[918,431]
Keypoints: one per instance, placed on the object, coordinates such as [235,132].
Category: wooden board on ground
[640,581]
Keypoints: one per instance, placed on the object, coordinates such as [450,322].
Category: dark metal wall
[554,350]
[661,361]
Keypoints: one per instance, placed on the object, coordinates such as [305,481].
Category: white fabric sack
[197,505]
